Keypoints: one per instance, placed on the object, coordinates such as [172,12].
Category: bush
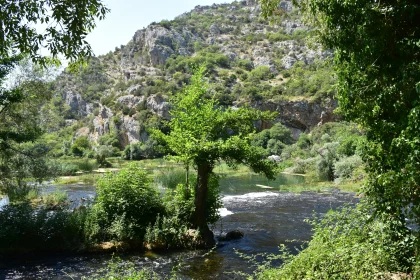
[343,169]
[80,145]
[24,228]
[350,244]
[260,73]
[281,133]
[304,166]
[275,147]
[325,165]
[171,229]
[125,205]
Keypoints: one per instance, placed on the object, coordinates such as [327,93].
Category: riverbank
[266,218]
[158,167]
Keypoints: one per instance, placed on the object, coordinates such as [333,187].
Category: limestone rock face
[157,105]
[301,115]
[130,101]
[160,43]
[131,128]
[101,123]
[76,103]
[214,29]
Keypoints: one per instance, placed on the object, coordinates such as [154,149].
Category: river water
[252,205]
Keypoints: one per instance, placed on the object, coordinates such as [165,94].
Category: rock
[251,2]
[159,106]
[286,6]
[159,54]
[232,235]
[82,132]
[132,128]
[301,115]
[214,29]
[210,41]
[130,101]
[132,89]
[160,245]
[160,43]
[288,61]
[76,103]
[275,158]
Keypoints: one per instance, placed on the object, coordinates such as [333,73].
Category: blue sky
[128,16]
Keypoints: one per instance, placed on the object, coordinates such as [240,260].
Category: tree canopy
[65,24]
[377,58]
[203,133]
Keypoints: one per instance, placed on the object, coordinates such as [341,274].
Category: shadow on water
[267,218]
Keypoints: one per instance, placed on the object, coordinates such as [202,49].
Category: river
[252,204]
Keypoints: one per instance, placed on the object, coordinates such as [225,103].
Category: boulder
[232,235]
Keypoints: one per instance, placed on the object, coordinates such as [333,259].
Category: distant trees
[202,133]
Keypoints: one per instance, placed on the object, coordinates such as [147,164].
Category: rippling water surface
[252,205]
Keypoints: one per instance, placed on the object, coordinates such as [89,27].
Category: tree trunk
[200,203]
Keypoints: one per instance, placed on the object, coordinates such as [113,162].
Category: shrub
[24,228]
[325,165]
[80,145]
[125,205]
[350,244]
[171,229]
[281,133]
[275,147]
[304,166]
[344,168]
[260,73]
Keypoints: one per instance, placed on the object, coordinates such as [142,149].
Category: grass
[88,179]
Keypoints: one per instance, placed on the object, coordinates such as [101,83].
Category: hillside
[118,96]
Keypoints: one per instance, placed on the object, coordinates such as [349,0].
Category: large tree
[377,58]
[203,133]
[64,26]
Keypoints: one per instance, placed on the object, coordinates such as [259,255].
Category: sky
[128,16]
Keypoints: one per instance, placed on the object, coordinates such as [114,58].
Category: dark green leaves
[67,24]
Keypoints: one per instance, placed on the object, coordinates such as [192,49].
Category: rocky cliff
[127,90]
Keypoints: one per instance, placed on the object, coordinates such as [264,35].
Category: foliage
[125,205]
[103,152]
[139,150]
[117,269]
[67,26]
[344,167]
[80,146]
[202,134]
[171,229]
[377,61]
[24,228]
[350,244]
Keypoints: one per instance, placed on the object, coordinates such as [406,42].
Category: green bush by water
[125,205]
[350,244]
[23,228]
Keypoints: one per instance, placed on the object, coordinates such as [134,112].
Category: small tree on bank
[202,133]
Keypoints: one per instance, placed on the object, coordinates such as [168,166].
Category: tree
[377,59]
[67,24]
[20,121]
[203,133]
